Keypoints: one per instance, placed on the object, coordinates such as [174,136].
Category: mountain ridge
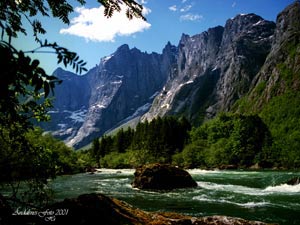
[220,61]
[122,85]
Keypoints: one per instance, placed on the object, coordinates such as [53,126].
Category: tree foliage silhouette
[25,86]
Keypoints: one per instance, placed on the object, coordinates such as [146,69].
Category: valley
[248,67]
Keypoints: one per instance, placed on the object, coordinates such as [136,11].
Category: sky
[93,36]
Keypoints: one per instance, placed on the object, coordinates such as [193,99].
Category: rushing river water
[246,194]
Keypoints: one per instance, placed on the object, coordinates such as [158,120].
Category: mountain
[241,67]
[122,86]
[215,68]
[275,91]
[70,106]
[281,70]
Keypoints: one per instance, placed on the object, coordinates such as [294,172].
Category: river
[247,194]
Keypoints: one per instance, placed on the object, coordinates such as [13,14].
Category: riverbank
[92,209]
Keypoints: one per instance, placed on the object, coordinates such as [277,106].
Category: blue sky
[92,36]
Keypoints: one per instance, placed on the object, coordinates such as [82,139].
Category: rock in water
[162,177]
[293,181]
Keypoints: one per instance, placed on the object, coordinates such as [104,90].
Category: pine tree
[96,151]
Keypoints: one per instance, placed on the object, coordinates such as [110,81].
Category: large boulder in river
[293,181]
[162,177]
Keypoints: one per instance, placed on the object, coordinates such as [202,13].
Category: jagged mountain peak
[63,74]
[243,21]
[168,44]
[287,23]
[248,17]
[281,70]
[58,70]
[291,10]
[215,68]
[187,38]
[184,38]
[123,48]
[169,48]
[245,24]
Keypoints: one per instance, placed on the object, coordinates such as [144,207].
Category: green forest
[154,141]
[230,140]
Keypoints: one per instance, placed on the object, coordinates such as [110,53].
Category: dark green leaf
[39,85]
[35,63]
[46,89]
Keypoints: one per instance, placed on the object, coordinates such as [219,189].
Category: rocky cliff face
[122,86]
[245,45]
[215,68]
[281,70]
[195,58]
[71,103]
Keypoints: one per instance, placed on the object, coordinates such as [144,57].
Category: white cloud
[183,1]
[92,25]
[142,2]
[233,4]
[146,11]
[173,8]
[191,17]
[186,8]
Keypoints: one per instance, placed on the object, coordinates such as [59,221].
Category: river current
[246,194]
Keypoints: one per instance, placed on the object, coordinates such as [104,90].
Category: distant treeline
[229,139]
[234,140]
[151,141]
